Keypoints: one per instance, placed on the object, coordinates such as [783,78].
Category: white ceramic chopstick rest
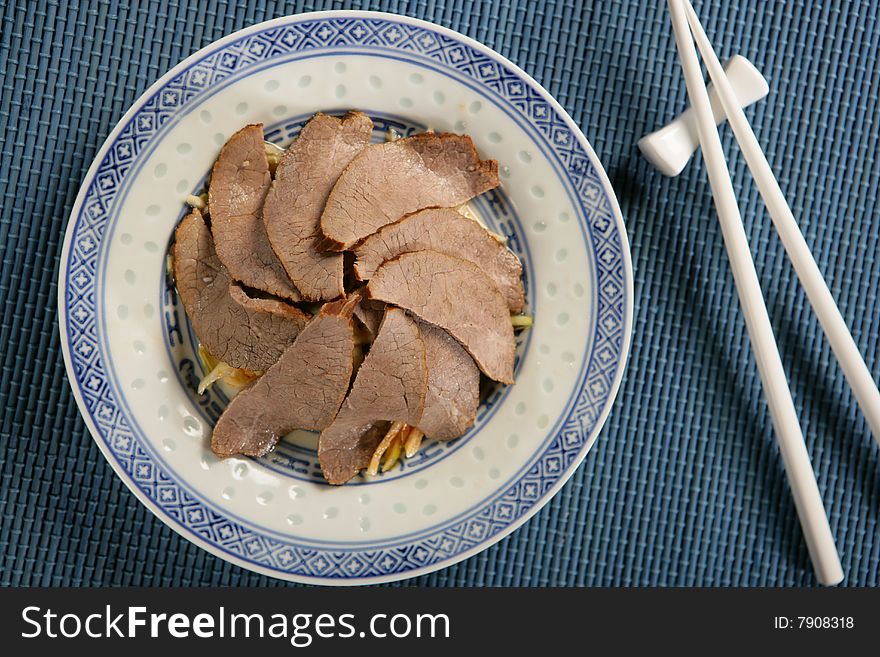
[670,148]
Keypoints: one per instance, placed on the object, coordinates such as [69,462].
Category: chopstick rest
[670,148]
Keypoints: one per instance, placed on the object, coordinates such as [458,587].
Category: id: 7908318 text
[813,622]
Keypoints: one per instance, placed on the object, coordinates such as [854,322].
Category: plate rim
[628,281]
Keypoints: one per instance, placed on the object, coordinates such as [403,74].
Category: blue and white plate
[129,349]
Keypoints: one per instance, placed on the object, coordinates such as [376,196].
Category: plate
[129,350]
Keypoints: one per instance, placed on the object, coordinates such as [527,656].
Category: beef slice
[447,231]
[453,386]
[243,332]
[303,180]
[303,390]
[239,183]
[387,181]
[457,296]
[390,385]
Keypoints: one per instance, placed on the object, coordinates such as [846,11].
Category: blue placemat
[685,485]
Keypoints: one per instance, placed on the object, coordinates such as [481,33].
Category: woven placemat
[685,485]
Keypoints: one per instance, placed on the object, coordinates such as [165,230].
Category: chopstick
[851,362]
[804,489]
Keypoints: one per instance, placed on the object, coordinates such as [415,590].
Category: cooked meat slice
[348,448]
[303,390]
[447,231]
[390,385]
[303,180]
[387,181]
[239,183]
[457,296]
[370,314]
[453,386]
[241,331]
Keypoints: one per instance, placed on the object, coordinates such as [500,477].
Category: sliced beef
[447,231]
[239,183]
[303,180]
[390,385]
[241,331]
[370,314]
[453,386]
[387,181]
[457,296]
[303,390]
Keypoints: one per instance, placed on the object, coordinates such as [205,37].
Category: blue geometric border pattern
[496,517]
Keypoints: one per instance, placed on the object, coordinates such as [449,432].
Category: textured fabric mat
[685,485]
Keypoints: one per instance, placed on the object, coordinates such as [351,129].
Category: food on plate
[217,370]
[369,313]
[448,231]
[346,288]
[391,384]
[387,181]
[241,331]
[239,183]
[302,390]
[457,296]
[453,386]
[415,373]
[306,173]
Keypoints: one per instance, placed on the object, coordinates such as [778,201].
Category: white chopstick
[802,480]
[851,362]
